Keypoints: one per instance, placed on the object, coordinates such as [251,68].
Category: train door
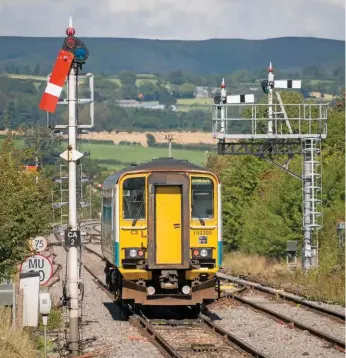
[168,221]
[168,224]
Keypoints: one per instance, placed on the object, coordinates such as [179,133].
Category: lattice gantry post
[244,127]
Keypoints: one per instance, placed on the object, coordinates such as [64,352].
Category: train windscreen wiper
[137,214]
[198,215]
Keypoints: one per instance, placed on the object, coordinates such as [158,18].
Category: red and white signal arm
[39,264]
[56,81]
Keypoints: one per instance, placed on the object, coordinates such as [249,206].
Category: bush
[150,140]
[25,207]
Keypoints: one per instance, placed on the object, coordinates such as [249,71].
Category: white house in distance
[131,103]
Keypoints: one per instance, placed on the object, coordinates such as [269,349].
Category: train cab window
[134,199]
[202,201]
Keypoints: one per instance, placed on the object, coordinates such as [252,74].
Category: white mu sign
[38,263]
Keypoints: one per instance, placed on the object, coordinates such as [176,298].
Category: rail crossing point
[38,263]
[72,238]
[39,244]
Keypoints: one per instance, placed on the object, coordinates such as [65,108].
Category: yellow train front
[162,233]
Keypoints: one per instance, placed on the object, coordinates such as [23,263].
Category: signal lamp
[70,42]
[195,252]
[264,85]
[140,253]
[81,54]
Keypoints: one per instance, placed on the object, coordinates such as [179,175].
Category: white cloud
[175,19]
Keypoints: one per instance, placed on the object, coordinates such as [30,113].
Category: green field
[315,82]
[140,79]
[28,77]
[138,154]
[128,154]
[195,101]
[188,104]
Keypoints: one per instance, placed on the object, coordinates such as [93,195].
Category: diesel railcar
[162,233]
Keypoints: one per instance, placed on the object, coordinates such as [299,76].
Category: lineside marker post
[72,258]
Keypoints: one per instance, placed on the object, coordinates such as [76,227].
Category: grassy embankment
[27,342]
[318,284]
[15,342]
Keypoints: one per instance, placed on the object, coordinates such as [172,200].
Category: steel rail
[94,252]
[338,344]
[163,345]
[230,338]
[290,297]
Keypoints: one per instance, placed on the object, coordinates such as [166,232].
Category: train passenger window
[134,198]
[202,201]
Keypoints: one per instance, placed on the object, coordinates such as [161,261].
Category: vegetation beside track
[14,341]
[321,284]
[24,207]
[262,207]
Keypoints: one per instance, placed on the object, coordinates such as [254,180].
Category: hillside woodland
[112,55]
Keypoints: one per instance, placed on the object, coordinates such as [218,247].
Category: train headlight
[204,253]
[195,252]
[133,253]
[137,253]
[140,253]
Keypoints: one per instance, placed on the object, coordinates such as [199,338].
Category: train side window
[202,200]
[134,198]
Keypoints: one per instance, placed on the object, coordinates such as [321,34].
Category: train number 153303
[202,232]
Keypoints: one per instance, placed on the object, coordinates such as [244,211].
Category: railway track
[337,317]
[180,338]
[218,342]
[285,296]
[191,338]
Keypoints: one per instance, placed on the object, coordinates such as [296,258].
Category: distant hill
[111,55]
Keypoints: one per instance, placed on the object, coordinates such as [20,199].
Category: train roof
[159,164]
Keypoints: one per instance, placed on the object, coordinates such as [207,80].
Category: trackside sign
[38,263]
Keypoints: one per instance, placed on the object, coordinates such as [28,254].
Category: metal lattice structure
[60,194]
[243,127]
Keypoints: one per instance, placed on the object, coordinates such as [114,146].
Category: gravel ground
[105,328]
[182,338]
[321,323]
[109,327]
[334,307]
[271,338]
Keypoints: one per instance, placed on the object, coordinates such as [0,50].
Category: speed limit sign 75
[39,244]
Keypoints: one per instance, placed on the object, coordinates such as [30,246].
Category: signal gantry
[264,130]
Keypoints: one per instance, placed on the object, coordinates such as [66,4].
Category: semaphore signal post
[243,127]
[72,56]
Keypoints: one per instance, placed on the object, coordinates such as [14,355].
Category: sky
[175,19]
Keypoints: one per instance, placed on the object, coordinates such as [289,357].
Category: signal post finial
[70,31]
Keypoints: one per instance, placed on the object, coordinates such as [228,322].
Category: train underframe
[166,288]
